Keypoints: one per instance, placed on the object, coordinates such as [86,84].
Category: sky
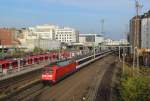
[83,15]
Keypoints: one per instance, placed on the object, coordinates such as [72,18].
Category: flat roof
[90,35]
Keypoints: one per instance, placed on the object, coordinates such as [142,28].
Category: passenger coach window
[0,68]
[3,66]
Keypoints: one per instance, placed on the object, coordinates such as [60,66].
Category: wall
[145,30]
[135,32]
[7,37]
[47,44]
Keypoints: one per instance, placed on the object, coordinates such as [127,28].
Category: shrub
[137,87]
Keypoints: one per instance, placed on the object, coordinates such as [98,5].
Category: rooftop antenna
[138,7]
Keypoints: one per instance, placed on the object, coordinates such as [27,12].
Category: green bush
[135,88]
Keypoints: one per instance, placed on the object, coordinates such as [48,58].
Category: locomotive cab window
[51,71]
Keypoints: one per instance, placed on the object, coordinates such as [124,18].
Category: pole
[137,58]
[3,49]
[94,49]
[133,60]
[59,53]
[19,61]
[119,54]
[2,46]
[123,59]
[138,7]
[137,33]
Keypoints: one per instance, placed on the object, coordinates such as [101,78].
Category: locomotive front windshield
[48,70]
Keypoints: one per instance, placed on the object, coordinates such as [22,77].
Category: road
[83,85]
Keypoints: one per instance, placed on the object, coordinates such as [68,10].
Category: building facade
[47,37]
[139,34]
[8,37]
[42,36]
[135,32]
[52,32]
[66,35]
[30,40]
[145,30]
[47,44]
[42,31]
[89,39]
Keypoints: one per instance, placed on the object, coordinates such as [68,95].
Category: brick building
[8,37]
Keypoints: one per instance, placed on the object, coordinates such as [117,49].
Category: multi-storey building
[140,31]
[47,36]
[66,35]
[43,31]
[135,32]
[110,42]
[90,39]
[31,39]
[145,30]
[47,44]
[8,37]
[140,35]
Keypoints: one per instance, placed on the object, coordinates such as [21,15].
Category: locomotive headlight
[43,76]
[49,76]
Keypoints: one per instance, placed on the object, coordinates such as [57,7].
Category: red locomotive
[55,72]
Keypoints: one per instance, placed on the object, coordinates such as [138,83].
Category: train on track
[53,73]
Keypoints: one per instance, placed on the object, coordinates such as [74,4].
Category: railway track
[14,84]
[104,89]
[34,91]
